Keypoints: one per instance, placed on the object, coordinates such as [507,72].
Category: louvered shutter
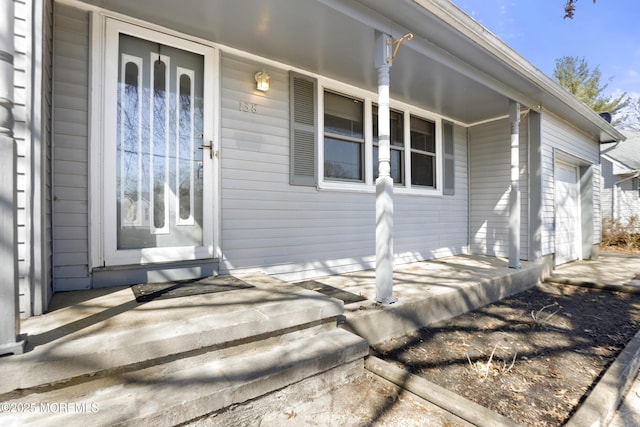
[449,188]
[303,130]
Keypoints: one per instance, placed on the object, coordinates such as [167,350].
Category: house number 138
[248,107]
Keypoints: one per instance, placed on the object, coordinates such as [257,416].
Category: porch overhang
[454,66]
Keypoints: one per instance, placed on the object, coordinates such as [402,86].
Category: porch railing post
[384,182]
[514,193]
[9,310]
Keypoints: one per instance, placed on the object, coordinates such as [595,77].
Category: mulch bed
[532,357]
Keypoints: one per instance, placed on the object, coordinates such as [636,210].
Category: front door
[158,148]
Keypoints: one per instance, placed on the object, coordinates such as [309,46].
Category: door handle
[209,147]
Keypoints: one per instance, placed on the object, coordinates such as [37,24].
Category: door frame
[105,30]
[578,228]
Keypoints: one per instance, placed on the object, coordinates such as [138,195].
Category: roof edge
[455,17]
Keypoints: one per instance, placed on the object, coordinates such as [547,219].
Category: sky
[606,34]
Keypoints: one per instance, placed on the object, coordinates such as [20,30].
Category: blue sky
[606,34]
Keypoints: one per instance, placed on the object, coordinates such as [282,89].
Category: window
[396,143]
[448,145]
[422,148]
[423,152]
[343,137]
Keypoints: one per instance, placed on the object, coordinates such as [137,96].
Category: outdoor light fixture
[262,81]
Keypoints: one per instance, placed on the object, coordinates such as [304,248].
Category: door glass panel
[160,123]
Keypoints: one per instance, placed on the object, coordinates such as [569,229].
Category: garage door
[567,200]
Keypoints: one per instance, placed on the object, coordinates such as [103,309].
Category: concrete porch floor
[428,292]
[123,331]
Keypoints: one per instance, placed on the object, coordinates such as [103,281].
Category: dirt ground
[532,357]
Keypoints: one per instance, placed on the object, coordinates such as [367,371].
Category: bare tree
[570,7]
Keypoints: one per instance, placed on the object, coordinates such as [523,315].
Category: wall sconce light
[262,81]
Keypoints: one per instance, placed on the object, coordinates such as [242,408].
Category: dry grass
[618,237]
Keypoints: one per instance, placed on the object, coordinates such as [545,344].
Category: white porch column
[514,193]
[9,310]
[384,182]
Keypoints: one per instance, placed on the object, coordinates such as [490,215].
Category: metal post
[9,310]
[384,182]
[514,194]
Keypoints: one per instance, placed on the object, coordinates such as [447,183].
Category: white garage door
[567,198]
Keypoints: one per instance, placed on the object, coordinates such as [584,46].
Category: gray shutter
[303,130]
[449,187]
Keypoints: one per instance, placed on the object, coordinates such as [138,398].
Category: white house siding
[432,227]
[596,204]
[22,135]
[32,91]
[559,137]
[606,188]
[490,181]
[70,129]
[42,214]
[294,231]
[267,223]
[627,202]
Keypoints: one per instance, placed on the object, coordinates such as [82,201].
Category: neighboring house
[144,150]
[620,199]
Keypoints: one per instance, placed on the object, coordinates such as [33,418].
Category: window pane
[397,161]
[396,127]
[423,170]
[342,159]
[423,135]
[343,116]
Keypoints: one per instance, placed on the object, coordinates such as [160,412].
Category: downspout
[9,303]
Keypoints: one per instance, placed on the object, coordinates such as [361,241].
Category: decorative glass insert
[160,164]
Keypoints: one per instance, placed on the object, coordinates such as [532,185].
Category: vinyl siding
[490,182]
[266,222]
[70,129]
[627,203]
[22,136]
[606,197]
[294,231]
[431,227]
[558,136]
[32,108]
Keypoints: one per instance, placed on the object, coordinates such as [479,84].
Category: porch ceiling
[444,69]
[322,39]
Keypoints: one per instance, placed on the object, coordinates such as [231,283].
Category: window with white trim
[422,146]
[343,138]
[396,143]
[423,152]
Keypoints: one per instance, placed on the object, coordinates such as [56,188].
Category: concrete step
[114,333]
[181,390]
